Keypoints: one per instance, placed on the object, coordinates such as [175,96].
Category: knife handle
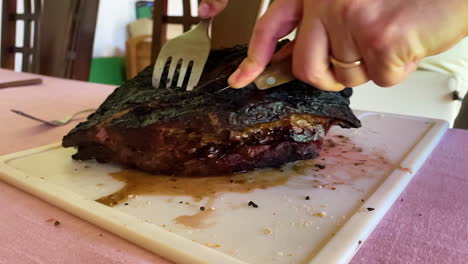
[275,74]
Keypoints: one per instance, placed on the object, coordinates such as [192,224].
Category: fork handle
[29,116]
[206,22]
[204,26]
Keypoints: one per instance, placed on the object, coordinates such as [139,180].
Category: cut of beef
[208,131]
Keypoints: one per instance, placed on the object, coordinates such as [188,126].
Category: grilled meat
[209,131]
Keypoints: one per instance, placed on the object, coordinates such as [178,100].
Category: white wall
[110,36]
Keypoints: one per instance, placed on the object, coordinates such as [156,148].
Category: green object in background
[144,9]
[108,70]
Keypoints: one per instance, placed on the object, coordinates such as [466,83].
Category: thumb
[210,8]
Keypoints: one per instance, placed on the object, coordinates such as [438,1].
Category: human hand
[389,37]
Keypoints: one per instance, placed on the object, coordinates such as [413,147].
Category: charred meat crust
[208,131]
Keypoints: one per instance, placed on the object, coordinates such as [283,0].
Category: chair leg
[187,14]
[27,51]
[36,41]
[8,34]
[159,27]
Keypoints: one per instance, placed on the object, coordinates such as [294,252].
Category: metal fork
[58,122]
[186,56]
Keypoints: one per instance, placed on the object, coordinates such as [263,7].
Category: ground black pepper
[56,223]
[307,197]
[202,208]
[370,209]
[254,205]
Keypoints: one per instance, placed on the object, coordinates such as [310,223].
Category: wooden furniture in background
[62,41]
[138,54]
[66,51]
[30,47]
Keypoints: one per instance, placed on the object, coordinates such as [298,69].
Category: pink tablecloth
[427,225]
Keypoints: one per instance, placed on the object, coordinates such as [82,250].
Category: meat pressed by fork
[209,131]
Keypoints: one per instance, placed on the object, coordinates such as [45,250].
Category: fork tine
[195,75]
[183,72]
[158,70]
[171,73]
[194,45]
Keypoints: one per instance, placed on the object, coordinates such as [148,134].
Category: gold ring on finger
[341,64]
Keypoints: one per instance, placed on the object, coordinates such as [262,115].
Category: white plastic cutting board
[363,172]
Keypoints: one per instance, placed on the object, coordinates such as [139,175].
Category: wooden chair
[232,26]
[62,41]
[138,54]
[29,50]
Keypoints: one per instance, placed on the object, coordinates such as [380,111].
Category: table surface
[427,224]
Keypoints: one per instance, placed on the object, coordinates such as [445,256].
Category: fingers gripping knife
[186,56]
